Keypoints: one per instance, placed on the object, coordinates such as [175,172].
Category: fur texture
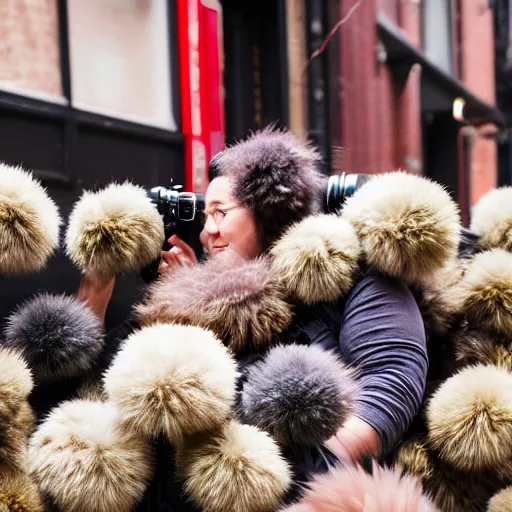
[174,380]
[484,294]
[316,259]
[502,501]
[408,225]
[237,300]
[58,335]
[276,176]
[352,489]
[473,347]
[16,416]
[238,468]
[438,312]
[29,222]
[19,494]
[470,418]
[114,230]
[491,219]
[414,457]
[298,394]
[84,462]
[451,490]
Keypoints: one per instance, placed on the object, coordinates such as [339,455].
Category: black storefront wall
[72,151]
[255,66]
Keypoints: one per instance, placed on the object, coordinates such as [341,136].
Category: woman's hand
[96,293]
[180,254]
[355,440]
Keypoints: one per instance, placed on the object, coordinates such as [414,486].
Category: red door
[200,50]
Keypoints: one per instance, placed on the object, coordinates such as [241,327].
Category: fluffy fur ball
[83,461]
[58,335]
[316,259]
[502,501]
[470,418]
[16,416]
[491,219]
[352,489]
[19,494]
[299,394]
[474,347]
[414,457]
[172,379]
[451,490]
[114,230]
[238,469]
[237,300]
[277,177]
[409,226]
[484,294]
[29,222]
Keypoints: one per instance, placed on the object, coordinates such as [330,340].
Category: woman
[261,187]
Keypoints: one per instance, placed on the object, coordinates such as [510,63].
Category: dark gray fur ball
[58,335]
[299,394]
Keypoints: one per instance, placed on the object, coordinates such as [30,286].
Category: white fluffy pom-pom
[409,226]
[174,380]
[29,222]
[114,230]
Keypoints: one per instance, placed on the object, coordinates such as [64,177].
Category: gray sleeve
[383,335]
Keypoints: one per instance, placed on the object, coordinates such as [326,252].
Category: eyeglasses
[218,214]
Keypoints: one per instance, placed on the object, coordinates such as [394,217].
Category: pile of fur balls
[461,447]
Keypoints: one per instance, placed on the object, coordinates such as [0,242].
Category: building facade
[148,90]
[410,84]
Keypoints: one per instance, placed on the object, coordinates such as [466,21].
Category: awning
[402,55]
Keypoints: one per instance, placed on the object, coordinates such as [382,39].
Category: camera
[183,215]
[340,187]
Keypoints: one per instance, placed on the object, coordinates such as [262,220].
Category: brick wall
[477,47]
[380,122]
[29,46]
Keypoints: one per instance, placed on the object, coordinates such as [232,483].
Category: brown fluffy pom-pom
[414,457]
[84,462]
[19,494]
[114,230]
[470,418]
[237,300]
[491,219]
[352,489]
[316,259]
[484,294]
[501,501]
[238,468]
[409,226]
[29,222]
[16,416]
[174,380]
[276,176]
[451,490]
[437,310]
[475,347]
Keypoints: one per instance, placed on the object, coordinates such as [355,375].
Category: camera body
[182,215]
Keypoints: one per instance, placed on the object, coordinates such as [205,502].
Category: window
[437,33]
[29,48]
[119,59]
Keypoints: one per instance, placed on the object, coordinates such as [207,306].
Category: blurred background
[93,91]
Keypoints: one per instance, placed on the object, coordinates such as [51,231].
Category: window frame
[38,105]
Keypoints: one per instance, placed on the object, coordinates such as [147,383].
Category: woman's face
[228,224]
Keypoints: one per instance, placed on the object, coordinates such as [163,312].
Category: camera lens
[341,186]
